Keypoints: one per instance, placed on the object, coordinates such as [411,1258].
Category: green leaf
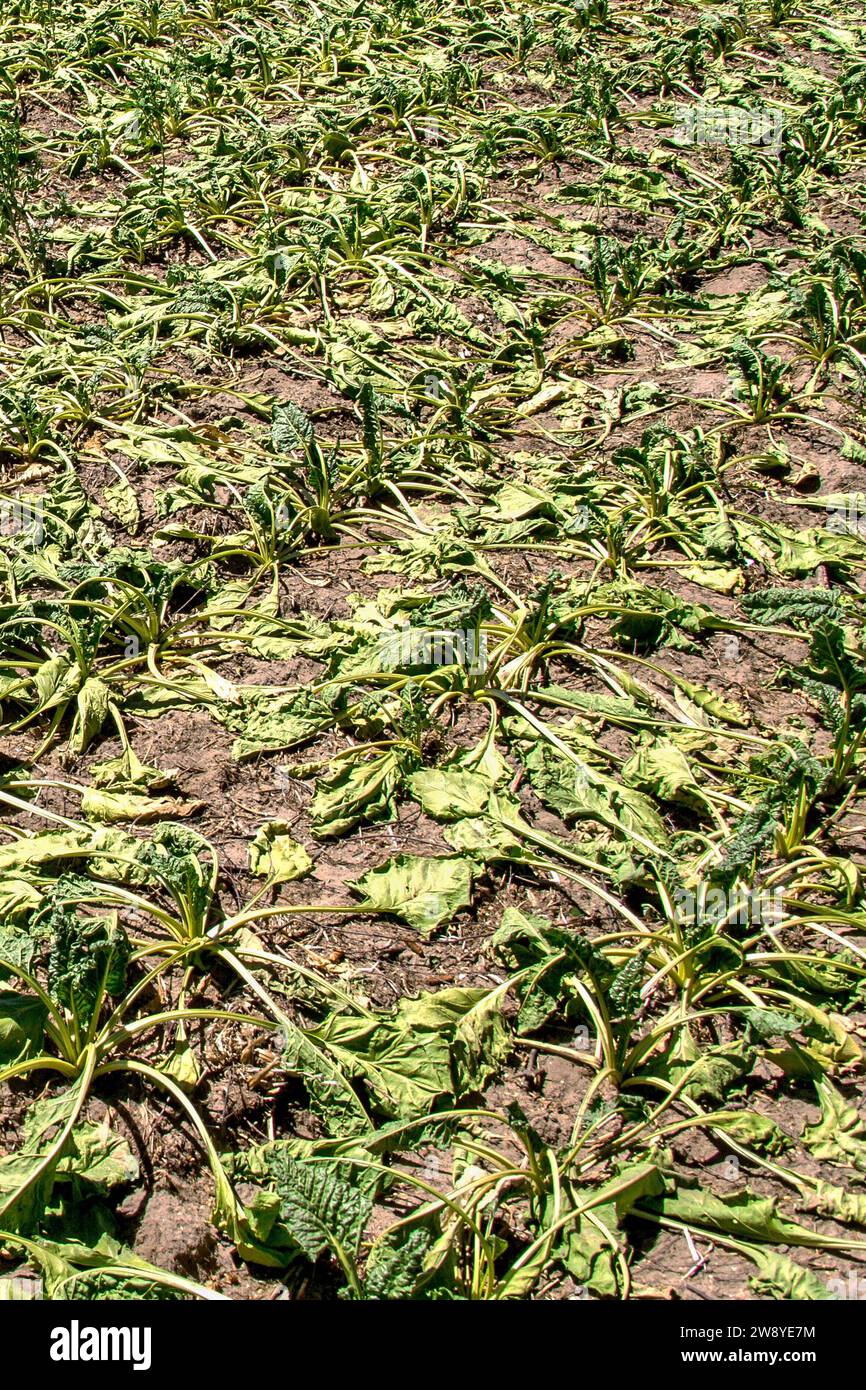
[711,702]
[424,891]
[479,1036]
[396,1264]
[450,793]
[840,1135]
[22,1024]
[97,1155]
[173,856]
[551,960]
[781,1277]
[579,791]
[406,1070]
[88,955]
[291,429]
[56,681]
[93,702]
[327,1078]
[662,768]
[754,1131]
[356,791]
[588,1245]
[267,722]
[838,1203]
[706,1073]
[27,1177]
[121,501]
[742,1215]
[435,1047]
[19,944]
[319,1208]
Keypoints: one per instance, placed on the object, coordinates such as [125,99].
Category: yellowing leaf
[423,891]
[274,854]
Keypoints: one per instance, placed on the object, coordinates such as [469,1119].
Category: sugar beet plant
[432,686]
